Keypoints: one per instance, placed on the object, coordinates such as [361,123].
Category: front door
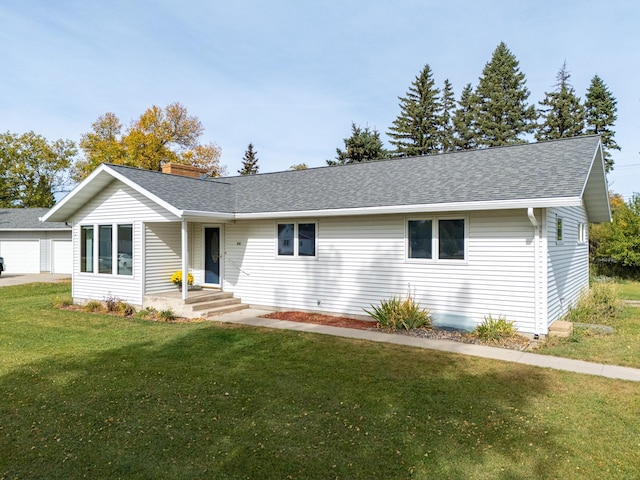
[212,255]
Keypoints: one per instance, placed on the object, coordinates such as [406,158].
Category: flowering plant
[176,278]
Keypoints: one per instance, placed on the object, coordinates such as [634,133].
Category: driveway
[22,278]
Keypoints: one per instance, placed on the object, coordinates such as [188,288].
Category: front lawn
[94,396]
[622,347]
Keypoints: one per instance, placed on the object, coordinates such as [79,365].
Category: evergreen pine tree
[249,162]
[564,114]
[415,130]
[464,121]
[363,145]
[446,131]
[600,108]
[503,114]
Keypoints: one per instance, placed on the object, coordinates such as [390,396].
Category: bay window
[113,242]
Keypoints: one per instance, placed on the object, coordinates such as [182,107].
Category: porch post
[185,260]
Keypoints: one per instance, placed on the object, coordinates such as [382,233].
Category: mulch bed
[318,319]
[515,343]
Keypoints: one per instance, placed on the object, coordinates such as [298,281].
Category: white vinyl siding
[116,204]
[567,261]
[362,260]
[163,255]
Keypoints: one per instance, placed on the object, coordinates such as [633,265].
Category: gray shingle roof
[553,169]
[183,193]
[27,219]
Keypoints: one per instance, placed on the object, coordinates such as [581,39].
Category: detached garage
[31,246]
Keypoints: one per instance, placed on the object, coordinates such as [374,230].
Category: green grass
[96,396]
[619,348]
[629,290]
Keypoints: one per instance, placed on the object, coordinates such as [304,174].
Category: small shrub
[148,313]
[94,306]
[125,309]
[600,304]
[397,314]
[495,329]
[62,302]
[111,302]
[167,315]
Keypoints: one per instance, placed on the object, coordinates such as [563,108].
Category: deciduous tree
[32,169]
[363,145]
[299,166]
[157,137]
[617,244]
[601,108]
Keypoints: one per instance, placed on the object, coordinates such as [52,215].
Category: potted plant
[176,279]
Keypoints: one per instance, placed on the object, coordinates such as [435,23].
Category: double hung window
[436,238]
[297,239]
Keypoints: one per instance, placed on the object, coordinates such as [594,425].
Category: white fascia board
[187,214]
[424,208]
[72,194]
[105,169]
[167,206]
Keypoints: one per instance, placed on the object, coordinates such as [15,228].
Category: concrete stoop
[560,328]
[202,305]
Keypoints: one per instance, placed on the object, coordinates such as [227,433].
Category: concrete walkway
[23,278]
[253,317]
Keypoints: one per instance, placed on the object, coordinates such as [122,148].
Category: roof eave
[63,210]
[595,191]
[420,208]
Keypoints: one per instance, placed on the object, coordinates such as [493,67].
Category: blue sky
[290,76]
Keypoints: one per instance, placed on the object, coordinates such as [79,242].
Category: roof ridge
[393,159]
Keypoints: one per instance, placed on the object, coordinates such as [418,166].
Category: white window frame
[296,242]
[435,240]
[583,233]
[114,248]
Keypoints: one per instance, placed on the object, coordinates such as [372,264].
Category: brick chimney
[183,170]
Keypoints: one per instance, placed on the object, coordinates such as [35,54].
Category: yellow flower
[176,278]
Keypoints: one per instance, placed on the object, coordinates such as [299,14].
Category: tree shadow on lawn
[228,402]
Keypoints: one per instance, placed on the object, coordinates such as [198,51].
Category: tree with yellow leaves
[159,136]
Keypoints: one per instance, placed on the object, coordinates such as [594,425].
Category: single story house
[499,231]
[31,246]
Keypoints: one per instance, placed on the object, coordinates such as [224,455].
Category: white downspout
[536,271]
[185,260]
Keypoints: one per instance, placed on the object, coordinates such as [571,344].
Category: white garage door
[21,256]
[62,256]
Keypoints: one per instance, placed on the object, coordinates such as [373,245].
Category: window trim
[296,242]
[559,229]
[435,240]
[95,228]
[583,233]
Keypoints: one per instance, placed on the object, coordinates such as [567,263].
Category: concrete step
[222,310]
[560,328]
[212,304]
[208,297]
